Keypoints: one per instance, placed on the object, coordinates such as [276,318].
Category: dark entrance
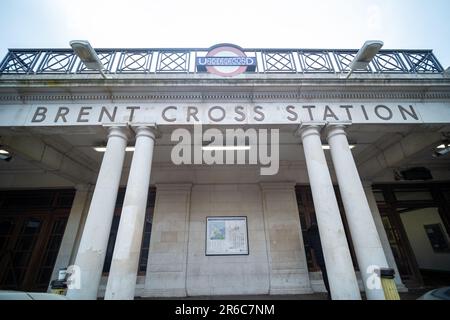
[308,217]
[32,225]
[393,200]
[145,245]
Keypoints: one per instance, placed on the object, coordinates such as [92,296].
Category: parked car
[21,295]
[437,294]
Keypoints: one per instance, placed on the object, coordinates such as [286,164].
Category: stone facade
[178,265]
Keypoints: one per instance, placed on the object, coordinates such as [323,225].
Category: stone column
[124,266]
[366,242]
[67,247]
[341,275]
[382,234]
[92,250]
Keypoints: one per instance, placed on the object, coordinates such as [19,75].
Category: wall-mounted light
[443,146]
[5,155]
[442,150]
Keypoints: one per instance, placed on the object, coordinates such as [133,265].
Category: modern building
[120,176]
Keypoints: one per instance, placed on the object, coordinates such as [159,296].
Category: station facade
[122,179]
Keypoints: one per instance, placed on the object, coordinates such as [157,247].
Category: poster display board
[226,236]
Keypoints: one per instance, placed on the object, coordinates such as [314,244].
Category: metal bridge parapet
[182,60]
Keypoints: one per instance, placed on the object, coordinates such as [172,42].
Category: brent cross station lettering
[225,114]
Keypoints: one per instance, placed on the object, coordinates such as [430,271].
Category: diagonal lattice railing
[137,61]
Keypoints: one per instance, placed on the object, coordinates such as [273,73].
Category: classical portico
[343,282]
[137,224]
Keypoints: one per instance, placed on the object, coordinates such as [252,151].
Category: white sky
[401,24]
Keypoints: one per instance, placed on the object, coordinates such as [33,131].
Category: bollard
[59,286]
[388,284]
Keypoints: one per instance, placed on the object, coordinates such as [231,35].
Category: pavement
[411,295]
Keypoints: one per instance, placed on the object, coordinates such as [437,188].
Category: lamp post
[87,55]
[365,55]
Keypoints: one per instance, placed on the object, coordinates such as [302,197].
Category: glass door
[28,249]
[19,237]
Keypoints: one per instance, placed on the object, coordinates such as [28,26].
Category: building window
[437,237]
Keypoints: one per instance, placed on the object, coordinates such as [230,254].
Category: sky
[401,24]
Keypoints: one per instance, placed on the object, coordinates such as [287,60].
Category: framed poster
[226,236]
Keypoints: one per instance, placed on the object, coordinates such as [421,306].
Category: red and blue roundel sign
[226,60]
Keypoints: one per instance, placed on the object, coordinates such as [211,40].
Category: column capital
[306,129]
[118,130]
[336,128]
[149,130]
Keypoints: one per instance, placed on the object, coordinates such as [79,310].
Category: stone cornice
[443,95]
[195,90]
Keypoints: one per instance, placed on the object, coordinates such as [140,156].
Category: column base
[164,293]
[139,291]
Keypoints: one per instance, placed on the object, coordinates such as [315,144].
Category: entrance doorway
[32,225]
[416,217]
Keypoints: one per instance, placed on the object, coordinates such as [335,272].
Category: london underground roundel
[226,60]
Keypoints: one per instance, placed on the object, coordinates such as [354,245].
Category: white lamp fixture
[87,55]
[327,147]
[103,149]
[226,148]
[365,55]
[441,146]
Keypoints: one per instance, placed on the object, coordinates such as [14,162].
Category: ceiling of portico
[78,144]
